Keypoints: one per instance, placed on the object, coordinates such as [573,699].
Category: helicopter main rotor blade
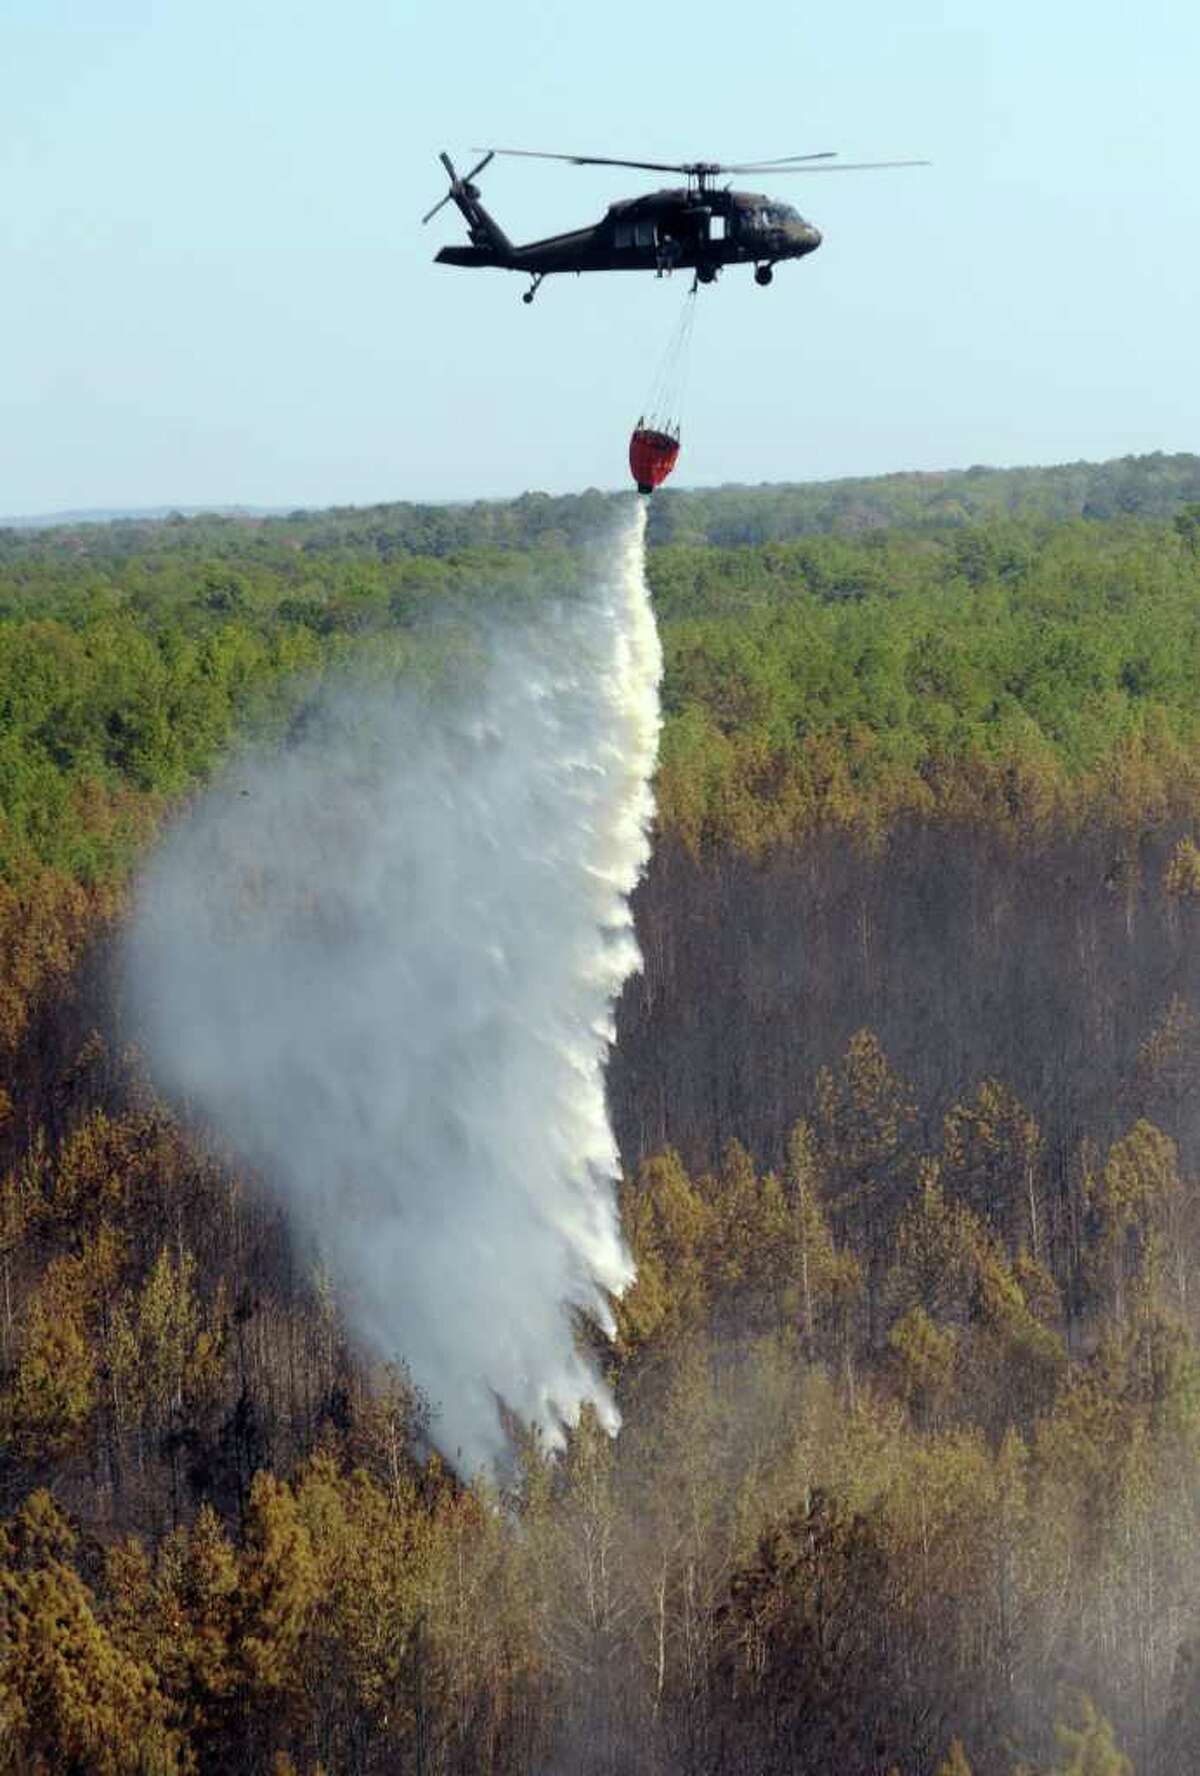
[711,169]
[784,160]
[651,166]
[843,166]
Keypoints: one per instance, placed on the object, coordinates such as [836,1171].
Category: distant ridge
[134,515]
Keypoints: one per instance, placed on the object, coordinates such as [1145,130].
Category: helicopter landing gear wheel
[706,274]
[534,287]
[763,275]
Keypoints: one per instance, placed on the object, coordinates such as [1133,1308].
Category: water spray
[382,963]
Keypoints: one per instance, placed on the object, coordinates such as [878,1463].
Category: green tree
[54,1388]
[865,1123]
[824,1283]
[925,1357]
[991,1148]
[1138,1199]
[668,1226]
[1088,1746]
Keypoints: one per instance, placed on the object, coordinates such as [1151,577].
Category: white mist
[382,963]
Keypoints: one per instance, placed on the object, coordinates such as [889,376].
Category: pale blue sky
[214,285]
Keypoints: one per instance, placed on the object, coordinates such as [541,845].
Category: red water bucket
[652,456]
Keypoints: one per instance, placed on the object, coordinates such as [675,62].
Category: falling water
[382,962]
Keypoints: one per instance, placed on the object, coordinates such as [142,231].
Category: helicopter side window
[623,236]
[716,228]
[644,234]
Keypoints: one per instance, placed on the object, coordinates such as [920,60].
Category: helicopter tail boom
[489,243]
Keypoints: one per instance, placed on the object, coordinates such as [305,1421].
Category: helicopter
[700,227]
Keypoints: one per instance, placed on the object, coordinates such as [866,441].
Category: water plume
[382,963]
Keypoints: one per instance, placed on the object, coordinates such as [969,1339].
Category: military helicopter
[700,227]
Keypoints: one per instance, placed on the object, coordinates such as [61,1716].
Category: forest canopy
[910,1372]
[1015,669]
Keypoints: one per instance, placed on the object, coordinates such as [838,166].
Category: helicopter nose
[805,238]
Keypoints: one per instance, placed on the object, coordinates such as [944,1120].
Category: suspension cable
[664,410]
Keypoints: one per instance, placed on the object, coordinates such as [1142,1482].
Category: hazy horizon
[236,508]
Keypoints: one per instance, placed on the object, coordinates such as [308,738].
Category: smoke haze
[382,964]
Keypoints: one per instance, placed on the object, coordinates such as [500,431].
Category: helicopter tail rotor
[487,237]
[460,189]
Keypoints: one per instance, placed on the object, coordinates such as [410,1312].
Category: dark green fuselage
[662,231]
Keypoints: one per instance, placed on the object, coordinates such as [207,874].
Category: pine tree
[825,1282]
[277,1587]
[1137,1201]
[54,1389]
[991,1152]
[865,1126]
[1089,1747]
[669,1230]
[925,1357]
[70,1697]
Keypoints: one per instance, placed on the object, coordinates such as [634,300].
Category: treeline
[1152,486]
[1016,673]
[906,1482]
